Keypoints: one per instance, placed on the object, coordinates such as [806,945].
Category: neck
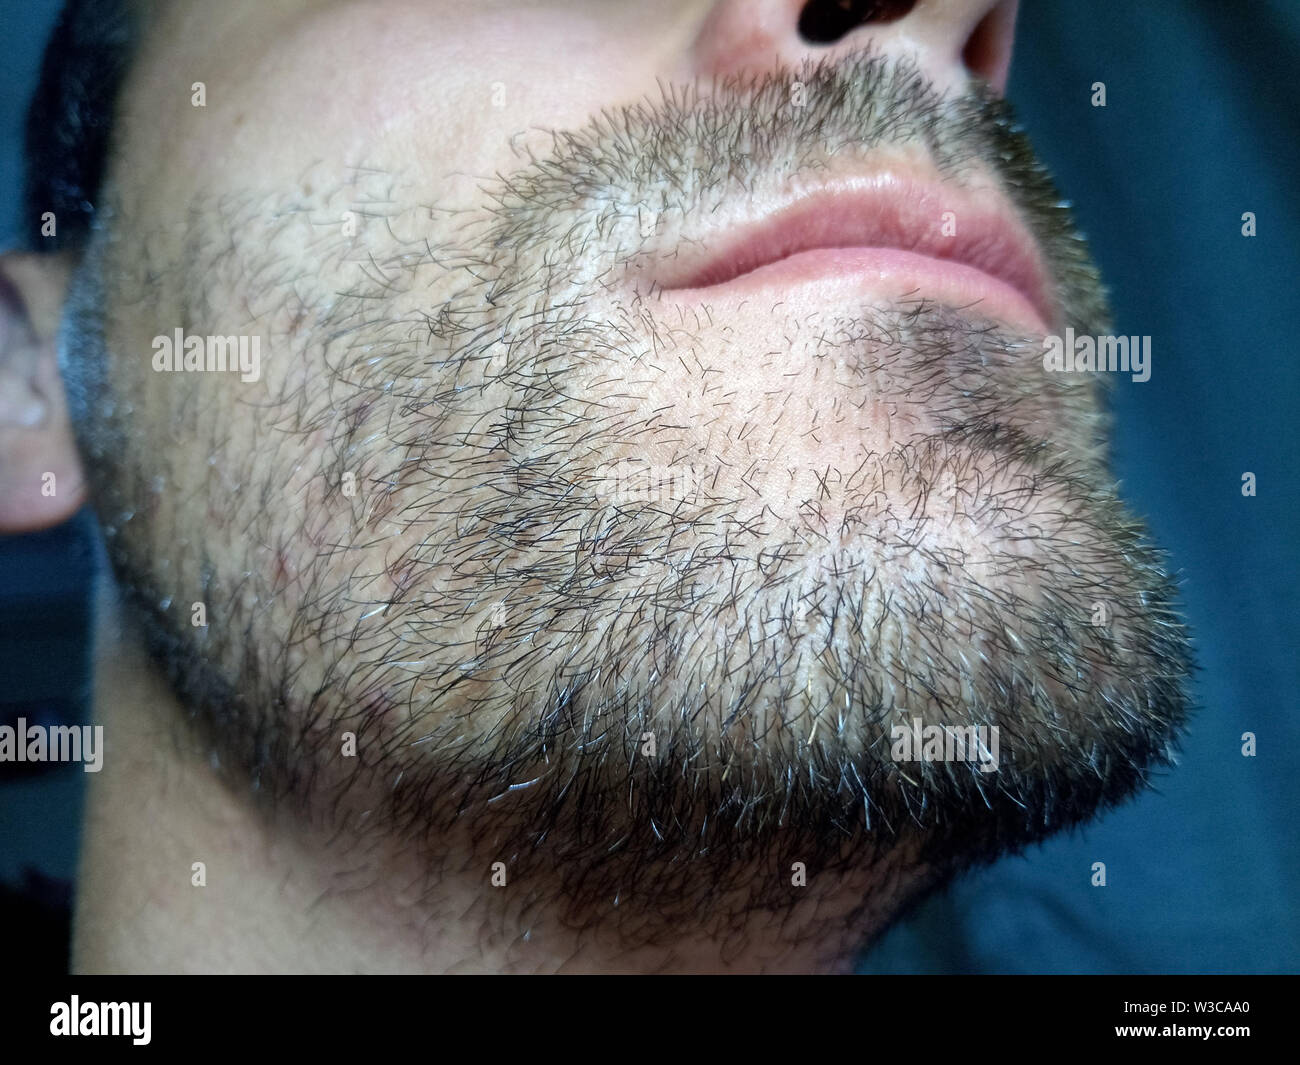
[269,896]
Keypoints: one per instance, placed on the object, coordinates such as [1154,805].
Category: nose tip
[950,40]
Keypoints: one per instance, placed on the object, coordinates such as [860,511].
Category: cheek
[449,94]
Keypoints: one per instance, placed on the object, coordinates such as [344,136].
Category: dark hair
[71,116]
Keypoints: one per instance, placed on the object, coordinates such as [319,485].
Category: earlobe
[41,480]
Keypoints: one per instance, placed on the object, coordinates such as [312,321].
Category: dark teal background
[1201,124]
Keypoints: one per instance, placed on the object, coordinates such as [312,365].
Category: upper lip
[977,228]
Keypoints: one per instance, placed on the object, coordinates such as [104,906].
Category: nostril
[987,52]
[827,21]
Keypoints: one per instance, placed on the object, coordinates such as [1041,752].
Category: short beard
[507,641]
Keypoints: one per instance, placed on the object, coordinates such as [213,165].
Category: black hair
[70,119]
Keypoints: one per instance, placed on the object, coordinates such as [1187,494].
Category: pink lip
[881,237]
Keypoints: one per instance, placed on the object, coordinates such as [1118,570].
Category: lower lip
[884,275]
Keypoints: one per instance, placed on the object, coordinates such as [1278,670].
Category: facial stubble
[649,706]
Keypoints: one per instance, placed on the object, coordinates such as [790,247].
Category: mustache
[698,144]
[572,217]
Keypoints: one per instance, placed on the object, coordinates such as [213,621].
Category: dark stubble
[651,700]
